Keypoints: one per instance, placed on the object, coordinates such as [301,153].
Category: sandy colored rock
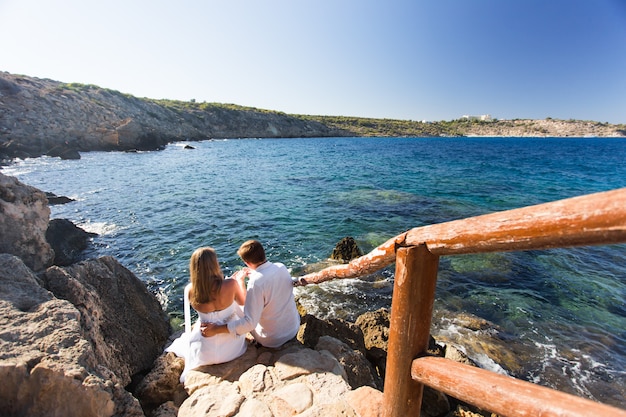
[126,323]
[48,366]
[366,402]
[254,408]
[256,379]
[219,400]
[305,362]
[162,383]
[24,216]
[359,371]
[298,396]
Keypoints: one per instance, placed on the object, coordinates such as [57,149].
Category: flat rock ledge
[293,380]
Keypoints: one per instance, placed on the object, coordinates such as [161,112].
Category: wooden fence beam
[586,220]
[504,395]
[593,219]
[409,330]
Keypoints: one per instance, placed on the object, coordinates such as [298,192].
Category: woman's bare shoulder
[229,286]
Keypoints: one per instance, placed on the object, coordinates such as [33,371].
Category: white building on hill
[483,117]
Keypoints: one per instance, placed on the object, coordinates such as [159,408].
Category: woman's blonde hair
[205,275]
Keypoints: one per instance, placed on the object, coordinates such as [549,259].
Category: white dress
[199,350]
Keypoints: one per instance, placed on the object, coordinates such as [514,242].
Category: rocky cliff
[46,117]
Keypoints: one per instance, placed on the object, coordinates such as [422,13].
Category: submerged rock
[67,240]
[346,250]
[54,199]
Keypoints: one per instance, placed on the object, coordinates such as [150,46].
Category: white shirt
[270,312]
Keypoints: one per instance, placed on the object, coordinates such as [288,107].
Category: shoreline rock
[23,223]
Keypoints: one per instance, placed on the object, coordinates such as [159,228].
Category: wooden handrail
[592,219]
[501,394]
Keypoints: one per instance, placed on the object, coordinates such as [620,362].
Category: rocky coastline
[46,117]
[85,337]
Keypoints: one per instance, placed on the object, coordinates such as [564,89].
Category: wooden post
[411,315]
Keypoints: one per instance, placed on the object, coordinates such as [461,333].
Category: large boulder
[67,240]
[126,323]
[49,365]
[24,215]
[375,328]
[313,328]
[359,371]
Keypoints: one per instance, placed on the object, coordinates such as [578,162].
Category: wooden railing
[594,219]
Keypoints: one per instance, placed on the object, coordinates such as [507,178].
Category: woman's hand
[211,329]
[208,329]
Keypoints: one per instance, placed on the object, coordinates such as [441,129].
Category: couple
[227,310]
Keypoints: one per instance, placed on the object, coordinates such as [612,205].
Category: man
[270,312]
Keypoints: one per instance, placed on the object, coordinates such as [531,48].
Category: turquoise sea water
[555,317]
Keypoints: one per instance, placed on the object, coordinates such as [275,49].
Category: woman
[216,300]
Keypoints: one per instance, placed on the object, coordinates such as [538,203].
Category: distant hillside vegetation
[46,117]
[465,127]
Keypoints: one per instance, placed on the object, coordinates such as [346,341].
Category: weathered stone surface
[366,402]
[48,366]
[256,379]
[305,362]
[67,240]
[24,216]
[375,328]
[66,349]
[125,322]
[313,328]
[455,354]
[162,384]
[229,371]
[168,409]
[338,408]
[359,370]
[54,199]
[299,396]
[254,408]
[327,387]
[295,381]
[219,400]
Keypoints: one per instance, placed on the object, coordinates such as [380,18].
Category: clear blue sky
[417,60]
